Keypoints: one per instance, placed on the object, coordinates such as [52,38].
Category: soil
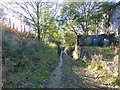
[69,75]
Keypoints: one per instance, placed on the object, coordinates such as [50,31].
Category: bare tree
[33,12]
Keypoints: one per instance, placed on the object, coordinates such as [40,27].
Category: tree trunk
[76,50]
[78,45]
[38,23]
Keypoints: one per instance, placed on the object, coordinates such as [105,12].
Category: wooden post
[17,28]
[9,22]
[21,27]
[24,28]
[13,26]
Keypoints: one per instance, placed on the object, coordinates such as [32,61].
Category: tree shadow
[71,79]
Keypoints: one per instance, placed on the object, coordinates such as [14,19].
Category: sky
[64,0]
[15,20]
[33,0]
[58,1]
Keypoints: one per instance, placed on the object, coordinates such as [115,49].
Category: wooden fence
[18,27]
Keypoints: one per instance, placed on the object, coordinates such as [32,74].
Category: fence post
[13,26]
[21,27]
[24,28]
[17,28]
[9,22]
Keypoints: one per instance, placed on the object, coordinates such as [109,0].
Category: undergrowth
[29,64]
[103,65]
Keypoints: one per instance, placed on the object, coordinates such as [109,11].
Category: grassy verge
[29,62]
[103,66]
[106,52]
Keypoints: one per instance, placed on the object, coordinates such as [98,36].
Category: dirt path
[55,80]
[74,75]
[69,75]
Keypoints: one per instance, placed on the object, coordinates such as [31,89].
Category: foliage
[31,62]
[96,65]
[117,82]
[2,13]
[70,42]
[81,16]
[102,65]
[39,15]
[83,62]
[106,52]
[106,11]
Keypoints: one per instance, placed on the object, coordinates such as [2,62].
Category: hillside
[26,62]
[29,63]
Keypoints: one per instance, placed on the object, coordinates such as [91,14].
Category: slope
[26,62]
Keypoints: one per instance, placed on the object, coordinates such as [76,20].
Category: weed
[32,63]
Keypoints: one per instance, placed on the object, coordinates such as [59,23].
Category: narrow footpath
[69,74]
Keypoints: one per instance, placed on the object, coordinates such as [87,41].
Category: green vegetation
[70,42]
[30,62]
[30,59]
[102,65]
[106,52]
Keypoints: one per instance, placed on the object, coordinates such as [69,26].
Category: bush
[117,82]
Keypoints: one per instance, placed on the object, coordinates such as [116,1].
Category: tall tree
[83,14]
[33,12]
[82,17]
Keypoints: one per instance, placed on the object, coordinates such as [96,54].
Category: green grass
[31,65]
[106,52]
[99,67]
